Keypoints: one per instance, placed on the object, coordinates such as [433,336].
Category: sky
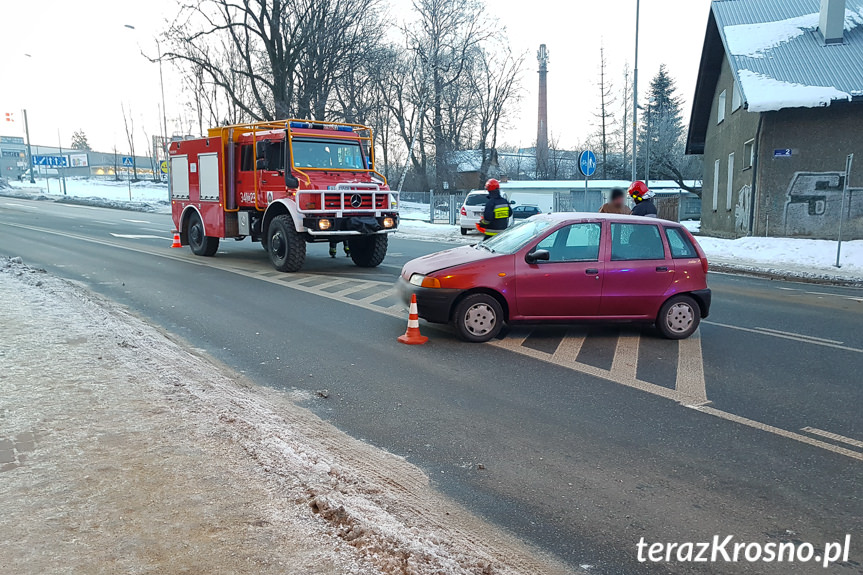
[72,64]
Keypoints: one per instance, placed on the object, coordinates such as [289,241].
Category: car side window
[574,243]
[636,242]
[681,247]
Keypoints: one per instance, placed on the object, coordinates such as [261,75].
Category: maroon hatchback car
[566,267]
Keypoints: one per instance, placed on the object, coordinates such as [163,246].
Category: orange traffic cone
[176,243]
[412,336]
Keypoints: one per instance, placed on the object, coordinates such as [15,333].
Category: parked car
[525,211]
[471,210]
[566,268]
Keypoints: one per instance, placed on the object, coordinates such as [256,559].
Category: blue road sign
[51,161]
[783,153]
[587,163]
[127,161]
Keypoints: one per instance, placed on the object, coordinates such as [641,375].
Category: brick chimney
[832,22]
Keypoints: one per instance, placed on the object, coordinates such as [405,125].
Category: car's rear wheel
[478,318]
[678,317]
[464,231]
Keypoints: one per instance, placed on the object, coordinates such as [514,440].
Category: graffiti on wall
[742,210]
[814,203]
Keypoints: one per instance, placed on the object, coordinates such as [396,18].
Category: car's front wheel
[478,318]
[678,317]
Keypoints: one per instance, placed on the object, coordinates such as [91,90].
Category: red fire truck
[284,184]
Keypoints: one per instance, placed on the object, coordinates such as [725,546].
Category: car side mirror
[291,182]
[262,164]
[537,256]
[512,202]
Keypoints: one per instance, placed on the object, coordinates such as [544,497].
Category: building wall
[801,195]
[739,127]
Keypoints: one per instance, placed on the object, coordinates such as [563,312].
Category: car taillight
[704,264]
[463,211]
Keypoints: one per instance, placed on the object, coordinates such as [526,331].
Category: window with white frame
[736,97]
[720,109]
[748,154]
[730,187]
[716,186]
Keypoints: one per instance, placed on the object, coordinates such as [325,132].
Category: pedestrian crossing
[628,355]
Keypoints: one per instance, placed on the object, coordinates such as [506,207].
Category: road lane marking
[783,336]
[137,221]
[139,236]
[625,362]
[801,335]
[565,357]
[20,206]
[569,348]
[777,431]
[691,384]
[834,436]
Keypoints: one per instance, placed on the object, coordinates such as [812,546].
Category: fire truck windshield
[328,154]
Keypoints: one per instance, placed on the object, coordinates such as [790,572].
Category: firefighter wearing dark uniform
[495,219]
[643,199]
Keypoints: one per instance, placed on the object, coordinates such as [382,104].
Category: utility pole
[162,86]
[635,95]
[29,151]
[61,173]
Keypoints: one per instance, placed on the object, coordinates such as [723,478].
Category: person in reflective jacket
[497,212]
[643,198]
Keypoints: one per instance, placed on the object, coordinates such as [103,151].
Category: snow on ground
[123,451]
[804,258]
[693,226]
[145,195]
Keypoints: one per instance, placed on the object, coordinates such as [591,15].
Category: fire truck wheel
[201,245]
[369,251]
[286,248]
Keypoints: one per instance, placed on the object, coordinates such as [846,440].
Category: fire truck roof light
[345,129]
[301,125]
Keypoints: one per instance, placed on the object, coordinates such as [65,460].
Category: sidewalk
[123,452]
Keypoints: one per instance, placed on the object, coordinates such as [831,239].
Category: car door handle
[591,271]
[662,268]
[263,181]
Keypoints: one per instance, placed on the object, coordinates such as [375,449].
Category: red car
[566,267]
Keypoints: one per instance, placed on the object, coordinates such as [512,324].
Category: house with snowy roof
[778,107]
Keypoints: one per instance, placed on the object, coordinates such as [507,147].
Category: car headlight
[389,222]
[420,280]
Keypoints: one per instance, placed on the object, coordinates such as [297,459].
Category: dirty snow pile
[144,195]
[122,451]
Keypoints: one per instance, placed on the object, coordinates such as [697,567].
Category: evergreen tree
[79,141]
[662,134]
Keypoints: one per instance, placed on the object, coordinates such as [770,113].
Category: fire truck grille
[355,201]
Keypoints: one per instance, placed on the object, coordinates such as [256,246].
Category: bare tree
[288,53]
[605,115]
[129,125]
[496,85]
[444,38]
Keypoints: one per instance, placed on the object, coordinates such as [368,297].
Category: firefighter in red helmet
[643,199]
[497,212]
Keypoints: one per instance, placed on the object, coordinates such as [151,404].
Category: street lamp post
[635,95]
[162,89]
[649,113]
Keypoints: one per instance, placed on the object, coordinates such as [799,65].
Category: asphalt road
[581,440]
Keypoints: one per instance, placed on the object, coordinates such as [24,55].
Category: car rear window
[476,200]
[636,242]
[681,247]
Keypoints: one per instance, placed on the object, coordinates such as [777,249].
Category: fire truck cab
[284,184]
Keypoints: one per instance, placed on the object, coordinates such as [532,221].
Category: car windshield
[476,200]
[516,237]
[327,154]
